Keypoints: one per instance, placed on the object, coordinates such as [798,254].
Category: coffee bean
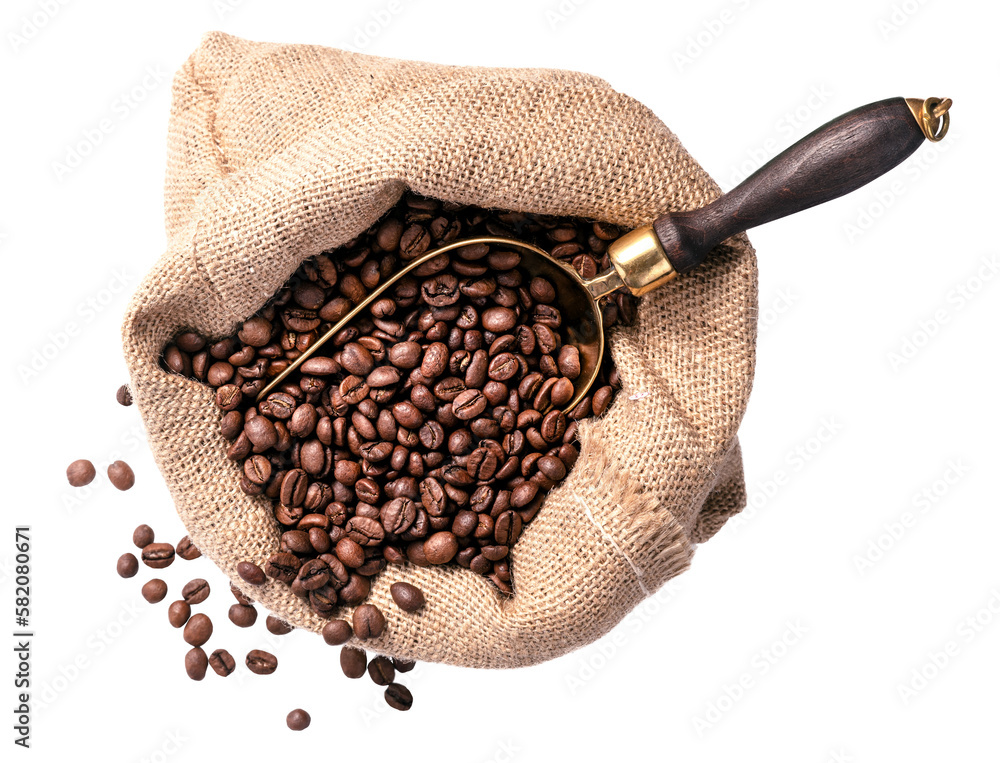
[403,666]
[142,536]
[222,662]
[121,476]
[469,404]
[381,670]
[337,632]
[282,567]
[365,531]
[158,555]
[196,663]
[196,591]
[397,515]
[80,473]
[187,550]
[398,697]
[251,573]
[260,662]
[276,626]
[441,547]
[198,629]
[154,591]
[353,662]
[368,622]
[242,616]
[408,597]
[298,720]
[178,613]
[128,565]
[356,591]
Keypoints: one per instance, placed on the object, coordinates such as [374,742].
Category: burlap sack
[279,152]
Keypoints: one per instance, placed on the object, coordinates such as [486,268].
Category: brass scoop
[837,158]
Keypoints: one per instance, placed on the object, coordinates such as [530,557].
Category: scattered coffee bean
[276,626]
[158,555]
[403,666]
[128,565]
[196,591]
[368,622]
[198,629]
[242,616]
[124,396]
[80,473]
[398,697]
[298,720]
[121,475]
[262,663]
[187,550]
[142,536]
[178,613]
[251,573]
[353,661]
[154,591]
[408,597]
[196,663]
[381,670]
[337,632]
[222,662]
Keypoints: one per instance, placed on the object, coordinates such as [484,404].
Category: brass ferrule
[932,116]
[640,260]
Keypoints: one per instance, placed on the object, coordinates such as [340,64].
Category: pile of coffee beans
[429,430]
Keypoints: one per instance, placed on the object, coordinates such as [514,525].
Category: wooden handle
[839,157]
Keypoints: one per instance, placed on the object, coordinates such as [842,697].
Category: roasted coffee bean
[441,547]
[158,555]
[365,531]
[142,536]
[276,626]
[222,662]
[196,591]
[178,613]
[196,663]
[353,661]
[251,573]
[260,662]
[469,404]
[337,632]
[408,597]
[398,697]
[187,550]
[282,567]
[80,473]
[128,565]
[381,670]
[397,515]
[242,616]
[368,622]
[124,396]
[403,666]
[298,720]
[154,591]
[121,476]
[198,629]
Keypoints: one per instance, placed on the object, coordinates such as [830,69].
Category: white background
[849,614]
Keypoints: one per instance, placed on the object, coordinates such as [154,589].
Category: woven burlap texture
[280,152]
